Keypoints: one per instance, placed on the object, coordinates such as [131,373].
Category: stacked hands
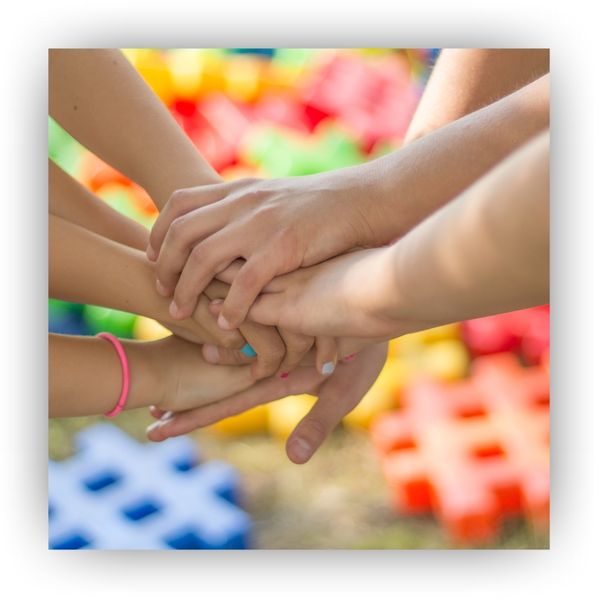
[289,286]
[235,242]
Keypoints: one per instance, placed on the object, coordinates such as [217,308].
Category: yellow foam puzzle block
[383,395]
[446,359]
[186,67]
[286,413]
[250,422]
[149,330]
[407,343]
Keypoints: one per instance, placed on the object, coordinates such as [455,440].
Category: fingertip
[327,368]
[223,323]
[163,290]
[151,253]
[299,451]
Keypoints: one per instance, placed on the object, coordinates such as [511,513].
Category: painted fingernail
[328,368]
[349,358]
[248,351]
[161,289]
[151,253]
[211,353]
[156,425]
[284,375]
[300,449]
[223,323]
[174,310]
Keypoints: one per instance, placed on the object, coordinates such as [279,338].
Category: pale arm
[465,80]
[90,269]
[70,200]
[102,101]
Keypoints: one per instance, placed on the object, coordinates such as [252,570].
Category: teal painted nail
[248,350]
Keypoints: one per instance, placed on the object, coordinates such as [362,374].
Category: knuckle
[231,341]
[178,198]
[197,254]
[316,428]
[250,277]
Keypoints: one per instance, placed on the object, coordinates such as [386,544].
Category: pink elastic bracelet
[125,368]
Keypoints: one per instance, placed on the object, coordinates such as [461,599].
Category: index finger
[181,202]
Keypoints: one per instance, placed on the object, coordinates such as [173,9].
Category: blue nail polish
[248,350]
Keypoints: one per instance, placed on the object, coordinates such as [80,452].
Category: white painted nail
[328,368]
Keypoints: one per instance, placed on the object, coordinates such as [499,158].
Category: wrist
[147,385]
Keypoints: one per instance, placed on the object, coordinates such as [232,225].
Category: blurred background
[449,448]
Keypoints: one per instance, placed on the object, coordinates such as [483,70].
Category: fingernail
[211,353]
[223,323]
[161,289]
[166,416]
[151,253]
[216,301]
[328,368]
[349,358]
[284,375]
[300,449]
[248,351]
[174,310]
[156,425]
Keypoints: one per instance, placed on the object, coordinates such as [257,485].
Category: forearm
[401,189]
[71,201]
[101,100]
[87,268]
[91,364]
[485,253]
[465,80]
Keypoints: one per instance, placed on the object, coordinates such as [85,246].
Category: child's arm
[465,80]
[281,225]
[102,101]
[85,376]
[88,268]
[70,200]
[486,252]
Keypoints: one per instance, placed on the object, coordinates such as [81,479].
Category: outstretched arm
[85,376]
[102,101]
[486,252]
[281,225]
[87,268]
[465,80]
[70,200]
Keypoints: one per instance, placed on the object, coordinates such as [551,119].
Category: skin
[169,373]
[337,396]
[484,253]
[278,226]
[133,131]
[467,79]
[70,200]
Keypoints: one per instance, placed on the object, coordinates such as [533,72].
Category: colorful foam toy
[523,331]
[116,493]
[472,452]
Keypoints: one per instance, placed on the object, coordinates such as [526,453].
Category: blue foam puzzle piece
[120,494]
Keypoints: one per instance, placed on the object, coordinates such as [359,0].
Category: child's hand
[346,296]
[276,225]
[187,380]
[338,395]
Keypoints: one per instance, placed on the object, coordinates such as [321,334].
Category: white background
[27,30]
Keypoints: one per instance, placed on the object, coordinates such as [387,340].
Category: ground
[337,500]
